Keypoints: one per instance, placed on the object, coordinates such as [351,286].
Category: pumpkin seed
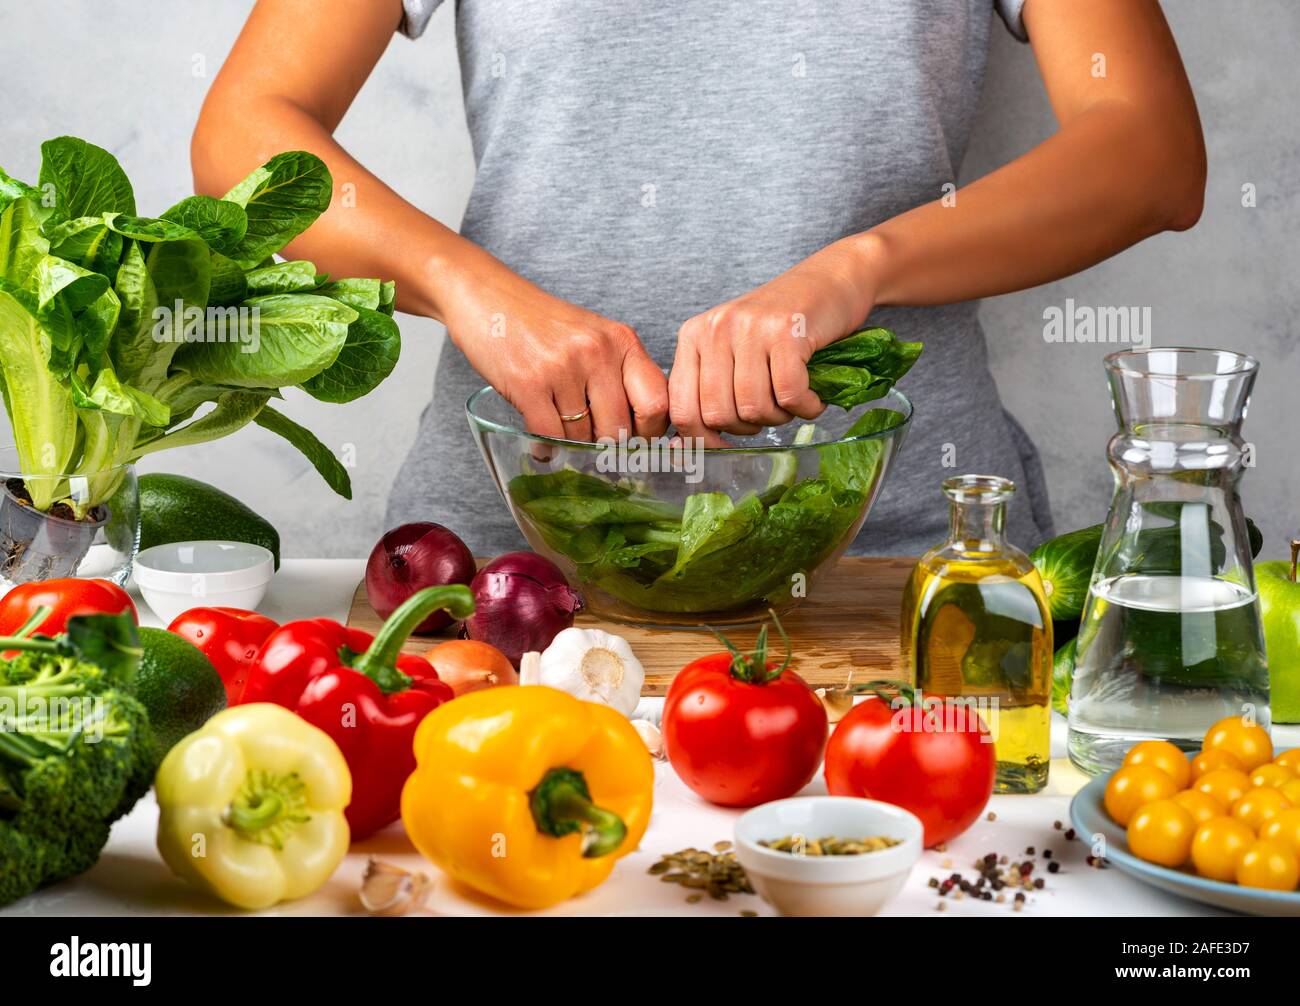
[717,873]
[800,845]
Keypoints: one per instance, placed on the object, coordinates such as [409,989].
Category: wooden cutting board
[849,622]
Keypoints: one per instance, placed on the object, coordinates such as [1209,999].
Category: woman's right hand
[547,357]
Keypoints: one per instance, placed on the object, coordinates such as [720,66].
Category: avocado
[177,684]
[176,508]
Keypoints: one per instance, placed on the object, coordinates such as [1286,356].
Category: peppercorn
[1054,867]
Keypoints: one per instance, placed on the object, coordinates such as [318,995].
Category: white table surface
[131,879]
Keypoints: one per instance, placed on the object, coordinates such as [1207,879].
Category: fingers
[646,388]
[542,419]
[755,399]
[790,382]
[684,389]
[571,401]
[718,387]
[610,417]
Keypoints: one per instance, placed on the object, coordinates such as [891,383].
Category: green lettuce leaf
[368,356]
[283,277]
[220,223]
[84,180]
[320,456]
[233,411]
[89,243]
[40,408]
[12,188]
[281,199]
[860,367]
[228,285]
[21,244]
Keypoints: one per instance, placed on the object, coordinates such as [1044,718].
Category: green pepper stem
[37,617]
[249,816]
[379,662]
[26,643]
[268,808]
[561,805]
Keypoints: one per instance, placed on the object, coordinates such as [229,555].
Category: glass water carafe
[975,628]
[1170,639]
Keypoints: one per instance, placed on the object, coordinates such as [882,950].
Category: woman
[718,189]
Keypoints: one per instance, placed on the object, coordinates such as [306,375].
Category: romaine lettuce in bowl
[654,533]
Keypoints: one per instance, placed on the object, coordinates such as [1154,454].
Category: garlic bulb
[591,665]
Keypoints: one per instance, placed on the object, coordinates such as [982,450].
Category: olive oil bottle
[975,627]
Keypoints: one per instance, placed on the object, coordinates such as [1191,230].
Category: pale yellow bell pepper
[251,806]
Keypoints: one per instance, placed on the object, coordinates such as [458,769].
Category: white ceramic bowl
[827,885]
[181,575]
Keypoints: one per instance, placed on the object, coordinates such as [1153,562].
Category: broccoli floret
[76,753]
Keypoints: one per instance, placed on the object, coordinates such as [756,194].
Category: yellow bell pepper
[527,794]
[252,806]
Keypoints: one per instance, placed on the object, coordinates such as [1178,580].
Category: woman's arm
[1127,162]
[289,80]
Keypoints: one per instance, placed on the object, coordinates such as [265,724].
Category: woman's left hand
[743,365]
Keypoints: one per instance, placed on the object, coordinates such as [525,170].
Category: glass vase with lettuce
[123,335]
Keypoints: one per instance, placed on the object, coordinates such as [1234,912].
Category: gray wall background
[130,75]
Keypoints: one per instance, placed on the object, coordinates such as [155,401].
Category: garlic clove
[389,890]
[530,668]
[837,701]
[652,737]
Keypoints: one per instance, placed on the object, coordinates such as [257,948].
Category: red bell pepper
[362,691]
[230,638]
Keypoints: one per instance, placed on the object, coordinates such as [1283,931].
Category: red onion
[521,603]
[410,558]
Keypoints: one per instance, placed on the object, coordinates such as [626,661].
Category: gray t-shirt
[648,161]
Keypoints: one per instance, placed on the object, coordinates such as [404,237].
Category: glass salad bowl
[657,533]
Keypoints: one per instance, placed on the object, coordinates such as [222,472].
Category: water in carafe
[1170,640]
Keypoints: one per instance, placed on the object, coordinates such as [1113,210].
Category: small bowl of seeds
[828,855]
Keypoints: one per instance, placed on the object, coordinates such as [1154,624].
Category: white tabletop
[130,878]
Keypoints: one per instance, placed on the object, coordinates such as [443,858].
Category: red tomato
[941,769]
[229,637]
[740,739]
[66,597]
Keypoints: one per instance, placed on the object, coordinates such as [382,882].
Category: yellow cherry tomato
[1202,806]
[1271,774]
[1217,845]
[1208,761]
[1161,832]
[1248,742]
[1284,826]
[1164,756]
[1257,805]
[1289,760]
[1270,865]
[1291,790]
[1226,785]
[1132,786]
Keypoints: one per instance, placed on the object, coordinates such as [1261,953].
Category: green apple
[1279,601]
